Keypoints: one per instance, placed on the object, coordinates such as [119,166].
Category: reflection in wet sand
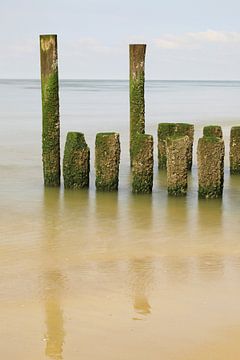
[210,218]
[141,273]
[54,315]
[52,277]
[140,214]
[176,213]
[106,212]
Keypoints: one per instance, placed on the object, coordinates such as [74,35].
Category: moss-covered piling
[107,160]
[142,165]
[213,130]
[210,155]
[76,162]
[166,130]
[136,88]
[183,129]
[235,150]
[177,148]
[50,110]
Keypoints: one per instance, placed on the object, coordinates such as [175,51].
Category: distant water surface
[116,276]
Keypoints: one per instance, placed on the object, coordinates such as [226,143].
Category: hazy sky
[186,39]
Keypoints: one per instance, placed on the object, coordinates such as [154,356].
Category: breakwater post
[136,86]
[183,129]
[177,148]
[235,150]
[76,162]
[107,160]
[142,165]
[166,130]
[210,155]
[50,110]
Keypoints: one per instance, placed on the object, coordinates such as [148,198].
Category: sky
[189,40]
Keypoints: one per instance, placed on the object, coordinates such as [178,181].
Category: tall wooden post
[136,87]
[50,110]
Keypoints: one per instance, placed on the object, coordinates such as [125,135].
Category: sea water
[116,276]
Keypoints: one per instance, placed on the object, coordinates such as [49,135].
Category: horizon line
[115,79]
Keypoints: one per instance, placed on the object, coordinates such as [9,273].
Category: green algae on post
[177,165]
[166,130]
[213,130]
[50,110]
[136,88]
[210,155]
[235,150]
[107,160]
[76,162]
[142,166]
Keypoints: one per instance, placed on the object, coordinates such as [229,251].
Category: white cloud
[196,39]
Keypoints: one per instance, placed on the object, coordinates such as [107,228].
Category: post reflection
[54,315]
[53,280]
[141,274]
[140,215]
[107,214]
[176,218]
[210,218]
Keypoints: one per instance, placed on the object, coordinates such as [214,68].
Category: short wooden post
[210,154]
[166,130]
[76,162]
[235,150]
[136,87]
[183,129]
[142,166]
[107,160]
[177,165]
[50,110]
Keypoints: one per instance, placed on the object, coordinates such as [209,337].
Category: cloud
[197,39]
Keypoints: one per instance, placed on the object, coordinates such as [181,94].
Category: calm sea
[116,276]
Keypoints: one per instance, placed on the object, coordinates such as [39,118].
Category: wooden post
[177,165]
[210,155]
[142,165]
[183,129]
[76,162]
[136,85]
[235,150]
[50,110]
[107,160]
[166,130]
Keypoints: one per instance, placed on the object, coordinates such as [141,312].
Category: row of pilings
[175,141]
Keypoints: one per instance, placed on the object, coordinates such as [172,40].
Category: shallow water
[115,276]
